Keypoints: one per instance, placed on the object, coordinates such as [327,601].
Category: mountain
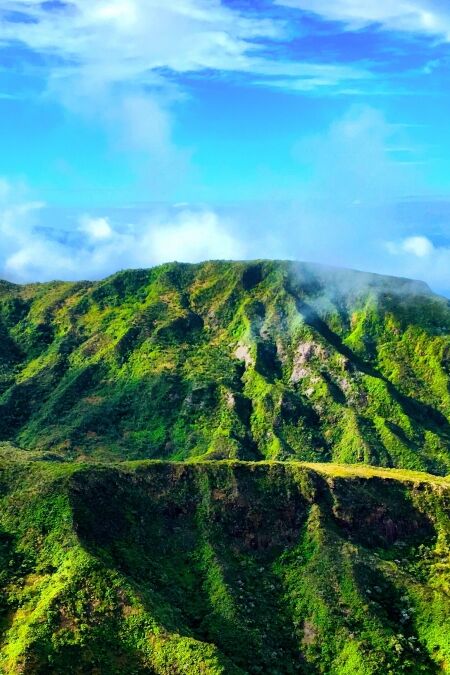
[240,360]
[184,479]
[222,568]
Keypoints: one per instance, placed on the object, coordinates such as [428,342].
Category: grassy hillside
[254,361]
[222,568]
[115,560]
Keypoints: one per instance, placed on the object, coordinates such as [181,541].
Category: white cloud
[96,248]
[324,231]
[431,17]
[40,259]
[351,163]
[347,209]
[97,229]
[116,62]
[419,258]
[194,237]
[418,246]
[131,41]
[24,252]
[17,212]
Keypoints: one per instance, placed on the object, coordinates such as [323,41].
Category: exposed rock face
[243,354]
[305,352]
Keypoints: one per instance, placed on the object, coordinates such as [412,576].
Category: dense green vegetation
[253,361]
[285,552]
[222,568]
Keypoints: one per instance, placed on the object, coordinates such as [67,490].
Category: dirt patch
[309,633]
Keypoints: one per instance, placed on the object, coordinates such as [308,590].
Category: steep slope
[222,568]
[229,360]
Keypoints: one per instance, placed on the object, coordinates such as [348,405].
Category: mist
[353,210]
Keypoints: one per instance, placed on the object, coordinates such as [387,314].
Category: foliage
[252,360]
[184,473]
[222,567]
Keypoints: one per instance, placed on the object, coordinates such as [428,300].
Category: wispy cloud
[429,17]
[417,245]
[121,64]
[131,41]
[351,162]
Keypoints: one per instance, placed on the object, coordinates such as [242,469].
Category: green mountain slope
[222,568]
[253,361]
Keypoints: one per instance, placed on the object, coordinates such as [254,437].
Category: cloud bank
[419,258]
[345,215]
[95,247]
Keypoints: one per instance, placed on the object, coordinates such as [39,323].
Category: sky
[135,132]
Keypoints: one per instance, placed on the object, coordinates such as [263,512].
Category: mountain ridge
[420,284]
[222,568]
[252,360]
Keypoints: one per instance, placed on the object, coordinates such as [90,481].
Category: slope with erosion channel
[222,568]
[257,360]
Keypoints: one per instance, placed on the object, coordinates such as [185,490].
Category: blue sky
[135,131]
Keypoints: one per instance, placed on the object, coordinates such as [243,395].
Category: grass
[366,471]
[222,567]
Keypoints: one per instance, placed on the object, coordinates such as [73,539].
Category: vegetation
[222,567]
[187,479]
[253,361]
